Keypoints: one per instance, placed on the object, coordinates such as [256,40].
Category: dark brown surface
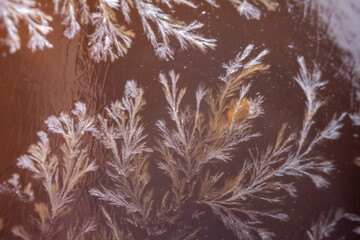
[34,86]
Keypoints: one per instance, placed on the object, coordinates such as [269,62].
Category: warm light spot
[241,113]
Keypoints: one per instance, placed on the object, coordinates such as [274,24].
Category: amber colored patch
[242,112]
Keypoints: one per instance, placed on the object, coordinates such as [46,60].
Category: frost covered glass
[179,119]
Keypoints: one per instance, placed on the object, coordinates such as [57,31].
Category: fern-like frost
[190,151]
[37,22]
[326,225]
[188,148]
[60,176]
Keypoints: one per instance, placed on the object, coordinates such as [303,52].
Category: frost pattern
[325,226]
[68,10]
[12,12]
[192,145]
[109,32]
[122,133]
[60,176]
[250,10]
[14,187]
[190,152]
[340,21]
[109,39]
[112,38]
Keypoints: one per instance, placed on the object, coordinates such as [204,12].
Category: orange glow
[241,113]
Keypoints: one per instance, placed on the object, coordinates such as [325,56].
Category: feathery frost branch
[188,149]
[123,134]
[74,14]
[78,230]
[112,38]
[60,176]
[13,186]
[109,39]
[262,178]
[251,10]
[192,147]
[12,12]
[167,26]
[325,226]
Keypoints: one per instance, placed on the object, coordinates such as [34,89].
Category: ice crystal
[249,10]
[326,225]
[190,152]
[339,20]
[123,134]
[355,117]
[13,186]
[12,12]
[60,176]
[166,27]
[68,9]
[109,39]
[192,145]
[112,37]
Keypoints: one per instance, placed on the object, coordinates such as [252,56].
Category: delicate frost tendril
[12,12]
[191,149]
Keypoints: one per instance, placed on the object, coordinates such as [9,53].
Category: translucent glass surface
[179,119]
